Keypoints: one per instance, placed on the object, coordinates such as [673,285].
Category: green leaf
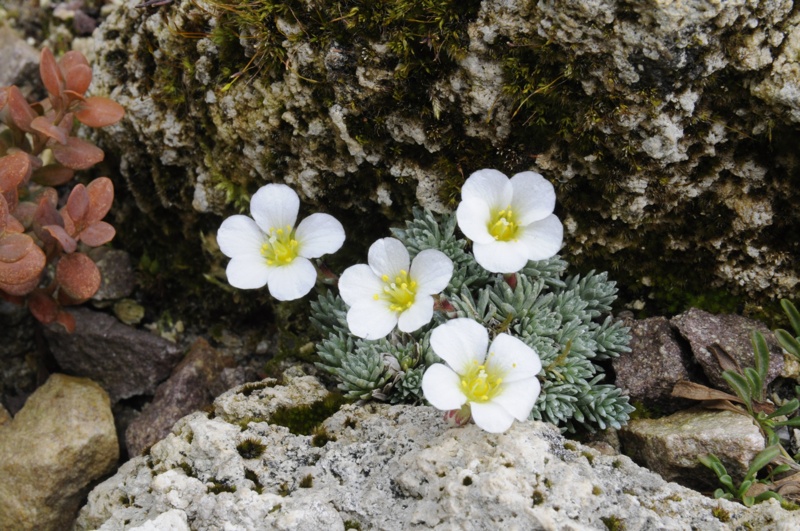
[768,494]
[785,409]
[748,501]
[794,422]
[789,343]
[755,383]
[792,314]
[740,386]
[763,459]
[761,352]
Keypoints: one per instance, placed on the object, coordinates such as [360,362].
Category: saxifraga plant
[41,260]
[564,318]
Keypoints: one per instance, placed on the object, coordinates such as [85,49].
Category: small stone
[20,64]
[672,445]
[732,333]
[54,449]
[116,272]
[129,311]
[655,363]
[124,360]
[190,387]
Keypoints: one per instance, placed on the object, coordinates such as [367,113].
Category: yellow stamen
[479,384]
[503,225]
[400,294]
[280,248]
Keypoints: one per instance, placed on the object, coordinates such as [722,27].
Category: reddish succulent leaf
[51,74]
[77,154]
[13,247]
[14,169]
[101,195]
[46,214]
[4,212]
[98,234]
[21,113]
[12,225]
[18,290]
[78,276]
[97,111]
[77,72]
[25,213]
[67,242]
[78,204]
[43,307]
[53,175]
[23,271]
[43,125]
[66,320]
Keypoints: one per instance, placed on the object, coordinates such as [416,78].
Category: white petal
[490,186]
[534,197]
[473,217]
[431,270]
[491,416]
[460,342]
[512,358]
[518,398]
[420,314]
[442,388]
[292,281]
[371,320]
[501,257]
[247,272]
[542,238]
[274,206]
[358,283]
[319,234]
[388,256]
[239,235]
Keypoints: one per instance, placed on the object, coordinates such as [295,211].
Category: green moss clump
[467,481]
[597,491]
[307,482]
[537,498]
[250,448]
[613,523]
[252,476]
[721,514]
[352,524]
[218,487]
[321,437]
[303,420]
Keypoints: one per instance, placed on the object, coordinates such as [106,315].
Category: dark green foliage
[302,420]
[250,448]
[565,319]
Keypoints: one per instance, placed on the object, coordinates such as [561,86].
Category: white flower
[509,221]
[268,250]
[388,292]
[497,387]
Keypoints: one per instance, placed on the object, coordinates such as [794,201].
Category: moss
[537,498]
[303,420]
[252,476]
[616,463]
[187,469]
[321,437]
[589,457]
[249,388]
[570,446]
[307,482]
[613,523]
[352,524]
[721,514]
[467,481]
[218,487]
[250,448]
[597,491]
[789,505]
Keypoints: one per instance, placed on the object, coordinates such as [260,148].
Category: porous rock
[51,453]
[705,331]
[19,358]
[20,63]
[671,445]
[193,384]
[392,467]
[652,120]
[655,363]
[124,360]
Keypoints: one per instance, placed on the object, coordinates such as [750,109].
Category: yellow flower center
[280,247]
[503,225]
[400,293]
[479,385]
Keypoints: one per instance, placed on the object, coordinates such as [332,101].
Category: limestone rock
[655,363]
[392,467]
[20,63]
[54,449]
[671,445]
[192,385]
[124,360]
[651,120]
[730,332]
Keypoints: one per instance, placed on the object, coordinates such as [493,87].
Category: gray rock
[124,360]
[19,358]
[671,445]
[655,363]
[190,387]
[392,467]
[730,332]
[116,271]
[20,64]
[51,453]
[652,120]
